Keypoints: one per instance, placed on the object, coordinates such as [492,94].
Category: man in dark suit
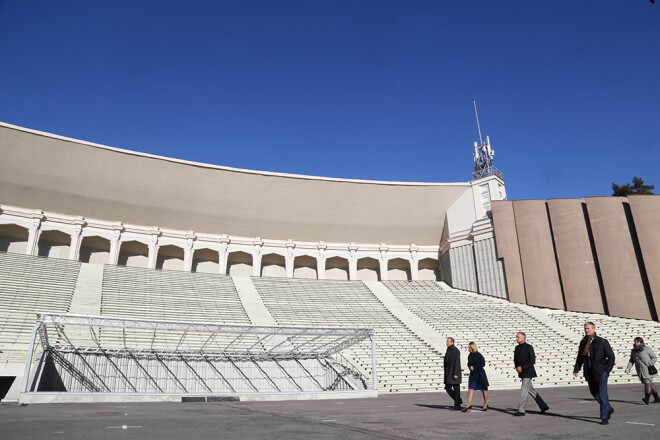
[597,357]
[524,359]
[453,373]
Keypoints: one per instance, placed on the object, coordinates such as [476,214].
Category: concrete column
[383,261]
[320,261]
[223,254]
[288,260]
[414,260]
[33,234]
[153,248]
[256,257]
[76,241]
[115,243]
[352,261]
[188,252]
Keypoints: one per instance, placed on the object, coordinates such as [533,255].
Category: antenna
[474,101]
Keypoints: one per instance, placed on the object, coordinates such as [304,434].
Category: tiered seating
[620,332]
[492,324]
[405,363]
[28,285]
[162,294]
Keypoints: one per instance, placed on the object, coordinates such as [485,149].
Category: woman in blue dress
[478,380]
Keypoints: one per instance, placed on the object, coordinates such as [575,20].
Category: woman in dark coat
[478,379]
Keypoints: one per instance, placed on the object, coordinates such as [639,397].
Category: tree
[637,187]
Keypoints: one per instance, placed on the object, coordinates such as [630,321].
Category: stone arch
[170,257]
[206,260]
[304,266]
[133,254]
[368,269]
[273,265]
[239,263]
[429,269]
[336,268]
[398,269]
[54,244]
[95,249]
[13,238]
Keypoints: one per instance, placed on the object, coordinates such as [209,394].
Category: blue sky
[568,91]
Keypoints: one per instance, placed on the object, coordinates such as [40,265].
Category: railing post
[373,361]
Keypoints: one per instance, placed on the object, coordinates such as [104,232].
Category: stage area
[573,414]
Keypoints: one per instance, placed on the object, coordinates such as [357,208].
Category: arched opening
[304,266]
[239,264]
[133,254]
[273,265]
[54,244]
[398,269]
[95,250]
[368,269]
[169,257]
[206,261]
[336,268]
[429,269]
[13,238]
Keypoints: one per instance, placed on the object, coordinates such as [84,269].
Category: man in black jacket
[597,357]
[453,373]
[524,359]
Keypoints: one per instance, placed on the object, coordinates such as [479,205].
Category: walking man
[597,357]
[524,359]
[453,373]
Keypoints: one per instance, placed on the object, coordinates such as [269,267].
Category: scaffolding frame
[86,335]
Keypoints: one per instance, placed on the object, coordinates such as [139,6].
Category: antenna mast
[483,155]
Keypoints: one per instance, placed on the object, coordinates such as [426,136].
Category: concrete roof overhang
[49,172]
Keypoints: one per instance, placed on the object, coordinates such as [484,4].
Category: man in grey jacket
[524,360]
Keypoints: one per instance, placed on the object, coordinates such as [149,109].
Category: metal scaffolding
[98,354]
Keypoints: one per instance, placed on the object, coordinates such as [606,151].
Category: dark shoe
[485,408]
[604,422]
[645,400]
[544,410]
[609,414]
[519,414]
[467,408]
[656,401]
[453,408]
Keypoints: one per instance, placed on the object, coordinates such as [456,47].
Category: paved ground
[573,414]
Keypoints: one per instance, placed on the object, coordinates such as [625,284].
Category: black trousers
[454,392]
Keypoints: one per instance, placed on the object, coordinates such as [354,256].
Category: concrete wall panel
[506,241]
[575,256]
[537,254]
[646,214]
[624,290]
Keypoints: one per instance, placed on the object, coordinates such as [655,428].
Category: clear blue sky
[567,90]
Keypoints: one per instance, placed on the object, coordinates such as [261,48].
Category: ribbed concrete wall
[506,240]
[624,290]
[463,271]
[575,256]
[490,274]
[537,254]
[646,213]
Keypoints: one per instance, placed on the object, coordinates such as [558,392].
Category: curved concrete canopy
[48,172]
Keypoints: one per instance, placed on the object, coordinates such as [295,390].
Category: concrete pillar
[223,254]
[414,267]
[76,241]
[320,261]
[188,252]
[383,261]
[352,261]
[33,234]
[115,243]
[256,257]
[288,260]
[153,248]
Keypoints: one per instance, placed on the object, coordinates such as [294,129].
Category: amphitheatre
[131,277]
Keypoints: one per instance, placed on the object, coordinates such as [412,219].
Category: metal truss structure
[191,355]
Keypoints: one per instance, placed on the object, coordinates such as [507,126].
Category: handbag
[652,370]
